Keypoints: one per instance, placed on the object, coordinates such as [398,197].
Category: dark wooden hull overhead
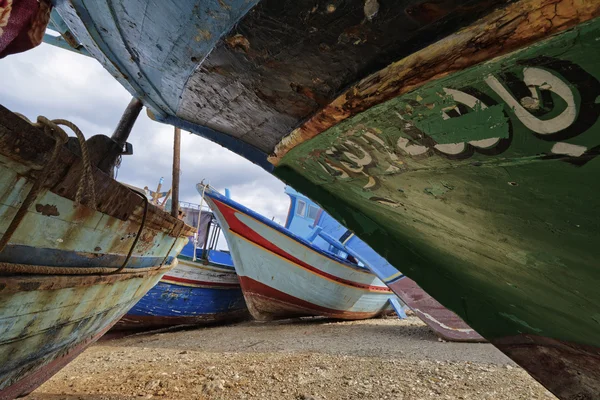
[285,60]
[457,138]
[246,77]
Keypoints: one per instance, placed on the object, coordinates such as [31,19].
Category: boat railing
[193,206]
[340,246]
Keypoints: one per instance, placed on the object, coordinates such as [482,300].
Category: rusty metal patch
[47,209]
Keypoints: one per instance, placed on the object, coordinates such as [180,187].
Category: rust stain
[82,212]
[146,241]
[224,5]
[430,11]
[569,370]
[238,42]
[518,25]
[41,282]
[203,34]
[307,92]
[47,209]
[356,35]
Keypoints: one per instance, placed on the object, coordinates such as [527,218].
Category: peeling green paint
[513,246]
[488,123]
[437,190]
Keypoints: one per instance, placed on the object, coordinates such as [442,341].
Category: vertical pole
[198,226]
[204,248]
[176,162]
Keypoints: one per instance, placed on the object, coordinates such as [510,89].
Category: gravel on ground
[301,359]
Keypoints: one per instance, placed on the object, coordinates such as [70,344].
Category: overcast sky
[57,83]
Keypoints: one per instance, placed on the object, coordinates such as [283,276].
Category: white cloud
[59,84]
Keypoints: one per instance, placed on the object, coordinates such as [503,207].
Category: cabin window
[301,208]
[312,212]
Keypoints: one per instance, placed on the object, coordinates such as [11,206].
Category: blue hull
[168,304]
[191,294]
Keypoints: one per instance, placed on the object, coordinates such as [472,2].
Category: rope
[60,138]
[52,129]
[27,269]
[87,178]
[138,234]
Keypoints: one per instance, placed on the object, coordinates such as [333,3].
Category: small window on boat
[312,212]
[301,208]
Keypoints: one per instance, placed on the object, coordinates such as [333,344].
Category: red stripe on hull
[237,226]
[196,282]
[420,302]
[266,303]
[32,381]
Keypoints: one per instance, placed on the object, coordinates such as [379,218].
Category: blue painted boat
[283,275]
[70,265]
[200,290]
[305,217]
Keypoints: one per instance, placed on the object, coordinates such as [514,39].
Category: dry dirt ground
[294,359]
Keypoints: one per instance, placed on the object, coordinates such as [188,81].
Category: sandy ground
[296,359]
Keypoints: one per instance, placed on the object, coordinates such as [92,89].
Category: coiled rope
[52,129]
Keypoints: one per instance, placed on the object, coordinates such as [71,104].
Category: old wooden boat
[77,250]
[305,216]
[458,138]
[284,276]
[201,290]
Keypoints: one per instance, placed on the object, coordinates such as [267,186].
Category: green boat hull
[483,187]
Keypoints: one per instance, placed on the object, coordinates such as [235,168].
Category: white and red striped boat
[283,275]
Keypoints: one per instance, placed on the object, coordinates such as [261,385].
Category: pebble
[372,360]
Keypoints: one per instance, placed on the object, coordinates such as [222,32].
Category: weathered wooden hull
[191,294]
[458,138]
[46,321]
[483,184]
[69,271]
[282,276]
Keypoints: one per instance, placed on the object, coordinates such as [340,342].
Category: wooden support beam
[176,163]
